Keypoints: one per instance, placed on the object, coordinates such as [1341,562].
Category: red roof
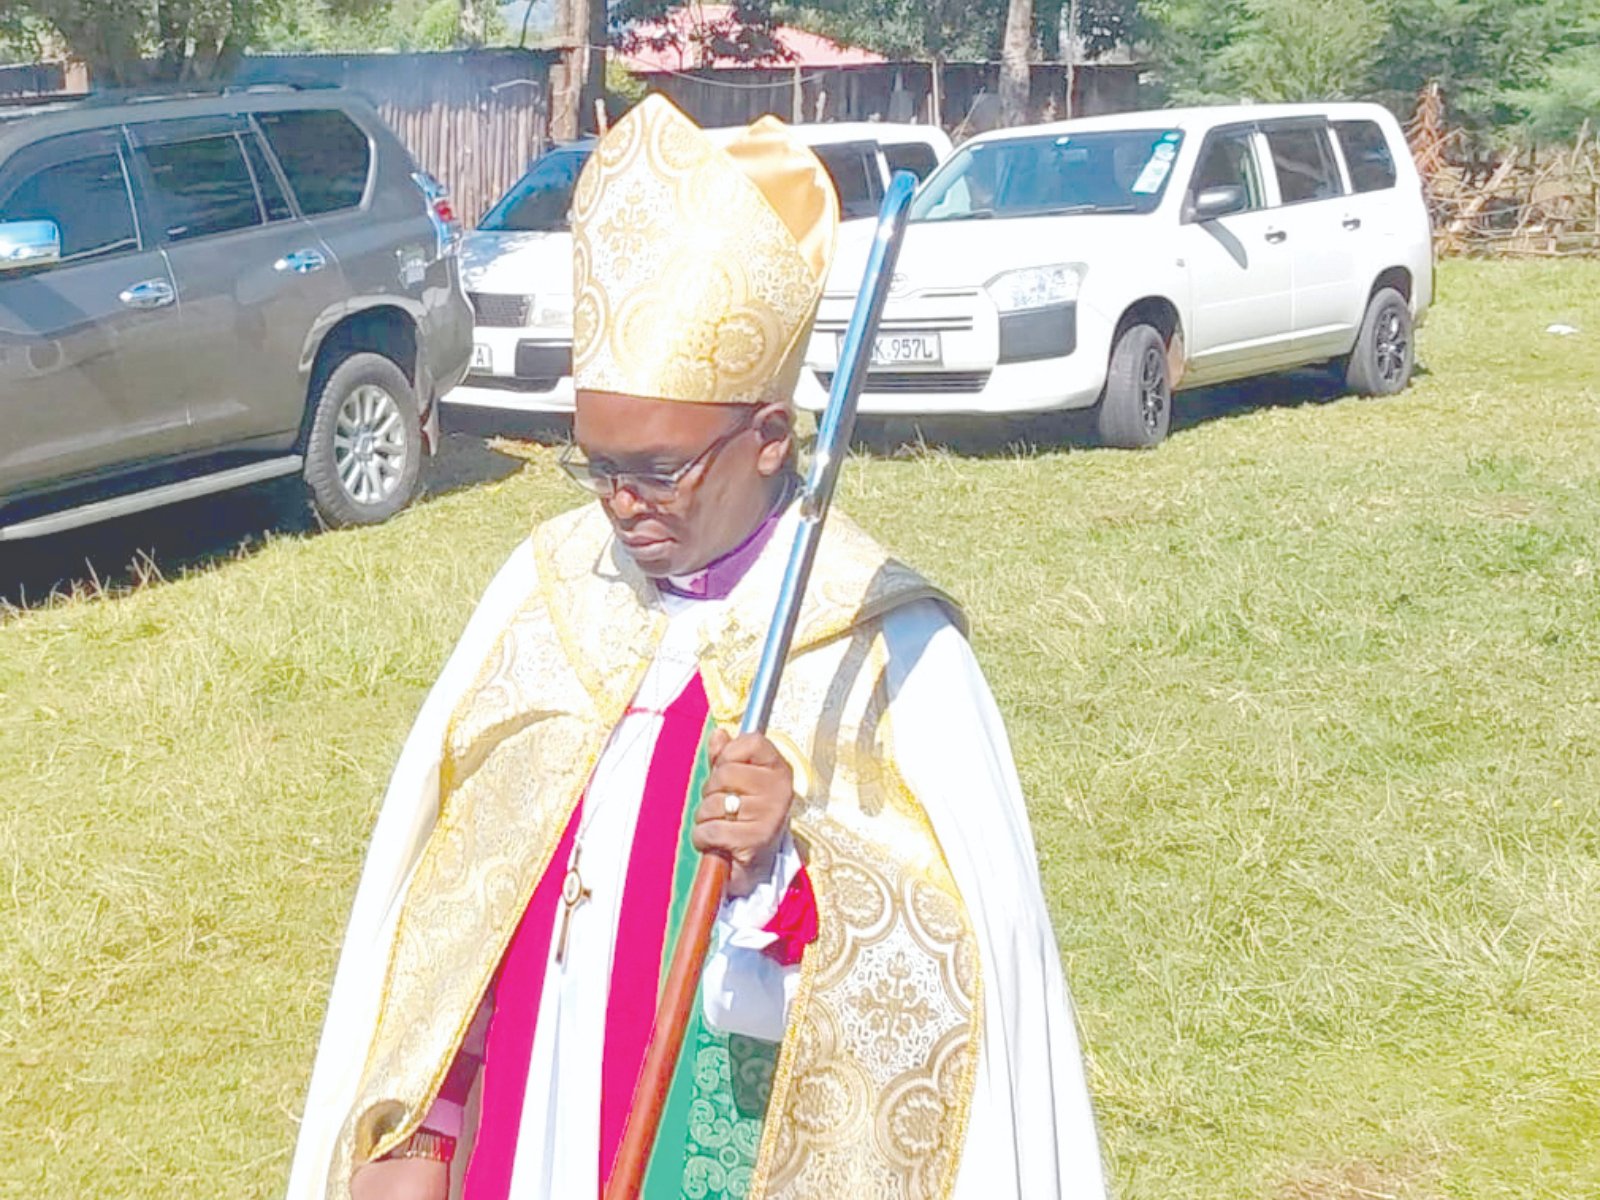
[685,28]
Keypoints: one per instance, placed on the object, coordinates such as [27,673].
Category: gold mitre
[698,269]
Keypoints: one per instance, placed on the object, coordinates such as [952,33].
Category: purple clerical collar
[717,579]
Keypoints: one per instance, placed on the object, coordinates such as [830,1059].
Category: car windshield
[540,200]
[1122,171]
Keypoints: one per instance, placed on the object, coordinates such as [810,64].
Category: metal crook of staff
[833,440]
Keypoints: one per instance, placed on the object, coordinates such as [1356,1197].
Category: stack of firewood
[1516,200]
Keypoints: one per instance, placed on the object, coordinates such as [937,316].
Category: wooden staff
[833,440]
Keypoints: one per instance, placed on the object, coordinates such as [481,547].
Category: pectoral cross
[573,893]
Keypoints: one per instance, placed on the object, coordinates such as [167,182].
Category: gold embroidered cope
[873,1084]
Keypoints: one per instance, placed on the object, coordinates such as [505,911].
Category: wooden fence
[474,119]
[1527,201]
[903,91]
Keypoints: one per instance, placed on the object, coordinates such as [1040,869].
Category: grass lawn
[1307,703]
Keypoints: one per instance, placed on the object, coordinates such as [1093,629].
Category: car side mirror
[25,244]
[1220,201]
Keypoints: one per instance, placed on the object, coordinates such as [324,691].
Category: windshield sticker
[1154,173]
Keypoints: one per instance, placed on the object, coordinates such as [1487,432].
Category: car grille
[948,383]
[500,312]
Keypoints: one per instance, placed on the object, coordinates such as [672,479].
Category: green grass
[1307,704]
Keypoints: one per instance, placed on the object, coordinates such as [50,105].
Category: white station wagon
[517,265]
[1105,263]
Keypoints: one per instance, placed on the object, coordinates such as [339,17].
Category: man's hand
[749,767]
[401,1179]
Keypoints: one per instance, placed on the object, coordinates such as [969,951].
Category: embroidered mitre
[697,269]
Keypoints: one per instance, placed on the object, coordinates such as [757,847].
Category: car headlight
[1036,287]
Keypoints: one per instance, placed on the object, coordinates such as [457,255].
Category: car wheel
[1385,352]
[364,451]
[1135,409]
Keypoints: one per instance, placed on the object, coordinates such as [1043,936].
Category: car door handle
[152,293]
[1352,222]
[301,262]
[1277,235]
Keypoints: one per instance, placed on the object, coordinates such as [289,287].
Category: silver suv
[204,291]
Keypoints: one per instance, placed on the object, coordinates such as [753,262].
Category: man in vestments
[882,1013]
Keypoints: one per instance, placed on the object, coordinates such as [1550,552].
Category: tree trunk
[1014,74]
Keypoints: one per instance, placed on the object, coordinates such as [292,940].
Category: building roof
[684,31]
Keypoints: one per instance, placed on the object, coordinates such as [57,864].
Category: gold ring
[730,806]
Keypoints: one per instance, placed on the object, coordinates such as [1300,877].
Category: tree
[745,30]
[1568,96]
[1016,76]
[126,44]
[1491,57]
[1290,50]
[1270,50]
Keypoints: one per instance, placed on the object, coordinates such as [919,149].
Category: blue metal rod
[838,422]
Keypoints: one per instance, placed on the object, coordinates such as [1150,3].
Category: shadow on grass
[167,542]
[994,436]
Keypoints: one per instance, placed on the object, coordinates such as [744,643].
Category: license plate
[482,358]
[901,349]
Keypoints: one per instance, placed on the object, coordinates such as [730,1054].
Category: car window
[1229,160]
[853,167]
[1120,171]
[1304,163]
[916,157]
[88,200]
[273,202]
[1366,153]
[201,187]
[541,200]
[324,154]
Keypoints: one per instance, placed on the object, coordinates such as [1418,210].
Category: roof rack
[18,105]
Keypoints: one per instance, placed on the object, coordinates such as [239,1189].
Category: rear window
[324,154]
[88,201]
[854,169]
[202,187]
[916,157]
[1304,162]
[541,201]
[1366,153]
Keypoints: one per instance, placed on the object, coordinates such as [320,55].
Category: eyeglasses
[653,487]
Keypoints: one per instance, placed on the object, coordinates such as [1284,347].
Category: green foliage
[1266,50]
[1500,62]
[1482,51]
[622,84]
[198,39]
[961,32]
[949,29]
[1291,50]
[1568,97]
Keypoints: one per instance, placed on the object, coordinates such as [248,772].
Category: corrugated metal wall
[32,79]
[474,119]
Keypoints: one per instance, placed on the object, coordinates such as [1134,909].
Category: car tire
[1135,408]
[364,450]
[1385,353]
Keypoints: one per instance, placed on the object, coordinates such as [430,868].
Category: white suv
[517,264]
[1107,262]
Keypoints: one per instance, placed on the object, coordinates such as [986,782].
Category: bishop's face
[682,483]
